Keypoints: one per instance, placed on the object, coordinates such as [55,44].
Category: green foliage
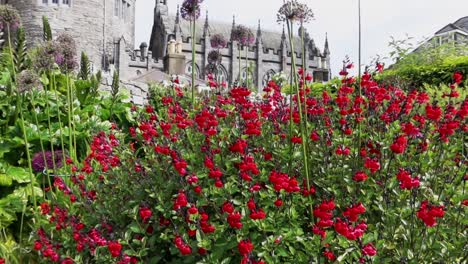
[115,87]
[20,52]
[411,76]
[430,63]
[84,67]
[47,31]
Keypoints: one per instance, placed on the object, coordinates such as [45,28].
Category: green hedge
[413,76]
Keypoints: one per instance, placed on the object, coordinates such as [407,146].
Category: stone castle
[105,30]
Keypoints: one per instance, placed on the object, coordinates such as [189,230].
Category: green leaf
[20,175]
[5,180]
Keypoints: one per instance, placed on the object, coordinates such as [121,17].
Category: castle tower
[96,25]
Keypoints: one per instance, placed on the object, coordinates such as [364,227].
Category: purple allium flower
[243,35]
[9,17]
[44,58]
[214,57]
[218,41]
[294,11]
[28,80]
[190,9]
[61,52]
[67,56]
[38,164]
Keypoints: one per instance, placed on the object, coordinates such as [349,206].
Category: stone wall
[90,22]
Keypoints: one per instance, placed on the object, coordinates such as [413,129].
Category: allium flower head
[218,41]
[243,35]
[38,164]
[27,80]
[292,10]
[66,59]
[45,56]
[190,9]
[214,57]
[9,16]
[61,52]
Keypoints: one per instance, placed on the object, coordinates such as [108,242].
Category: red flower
[360,176]
[406,182]
[114,248]
[353,212]
[428,213]
[37,245]
[234,220]
[278,202]
[145,214]
[433,112]
[45,208]
[399,145]
[372,164]
[369,250]
[184,248]
[457,78]
[67,261]
[245,247]
[329,255]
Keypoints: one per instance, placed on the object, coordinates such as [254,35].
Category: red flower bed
[223,181]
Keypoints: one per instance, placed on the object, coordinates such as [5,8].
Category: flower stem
[193,21]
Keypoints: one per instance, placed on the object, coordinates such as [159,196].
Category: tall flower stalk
[245,38]
[218,42]
[291,12]
[190,10]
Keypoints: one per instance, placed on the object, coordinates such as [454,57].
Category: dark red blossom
[399,145]
[428,213]
[245,247]
[114,248]
[145,214]
[406,181]
[369,250]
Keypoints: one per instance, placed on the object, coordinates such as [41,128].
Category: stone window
[55,2]
[116,7]
[66,2]
[45,1]
[122,10]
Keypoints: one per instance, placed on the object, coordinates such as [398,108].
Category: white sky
[381,19]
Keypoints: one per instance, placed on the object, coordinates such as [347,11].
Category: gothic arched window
[188,69]
[219,71]
[267,77]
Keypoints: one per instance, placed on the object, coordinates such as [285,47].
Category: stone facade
[268,56]
[96,25]
[105,31]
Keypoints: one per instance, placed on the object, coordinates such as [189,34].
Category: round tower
[97,25]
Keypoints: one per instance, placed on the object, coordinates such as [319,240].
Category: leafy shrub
[222,182]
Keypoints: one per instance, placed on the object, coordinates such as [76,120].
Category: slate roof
[270,39]
[460,24]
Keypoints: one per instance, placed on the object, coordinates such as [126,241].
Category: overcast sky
[381,19]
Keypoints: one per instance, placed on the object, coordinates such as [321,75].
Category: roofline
[461,31]
[454,25]
[465,17]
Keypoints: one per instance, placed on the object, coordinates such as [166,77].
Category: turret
[326,50]
[177,29]
[206,27]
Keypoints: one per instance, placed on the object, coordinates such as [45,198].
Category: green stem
[41,142]
[49,123]
[299,104]
[193,21]
[240,68]
[59,119]
[247,67]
